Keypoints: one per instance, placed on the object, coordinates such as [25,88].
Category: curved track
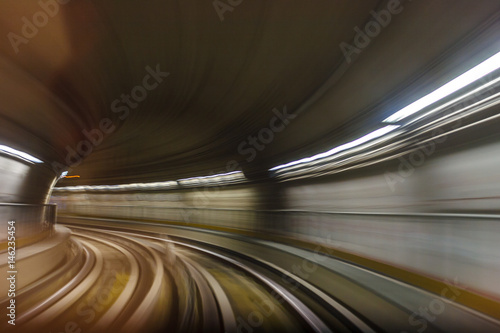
[131,282]
[152,278]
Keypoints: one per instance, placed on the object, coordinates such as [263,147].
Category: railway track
[157,279]
[137,282]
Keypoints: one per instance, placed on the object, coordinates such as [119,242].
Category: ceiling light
[368,137]
[489,65]
[19,154]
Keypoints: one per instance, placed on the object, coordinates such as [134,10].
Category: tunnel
[250,166]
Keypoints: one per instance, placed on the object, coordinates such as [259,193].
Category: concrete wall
[437,217]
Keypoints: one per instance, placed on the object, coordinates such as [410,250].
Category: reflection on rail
[128,282]
[147,277]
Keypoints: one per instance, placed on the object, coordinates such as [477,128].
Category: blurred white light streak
[218,178]
[489,65]
[19,154]
[458,99]
[212,176]
[368,137]
[133,186]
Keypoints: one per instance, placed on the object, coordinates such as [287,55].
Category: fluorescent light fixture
[489,65]
[19,154]
[133,186]
[212,176]
[368,137]
[458,99]
[229,176]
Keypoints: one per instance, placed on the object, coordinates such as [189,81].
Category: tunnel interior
[250,166]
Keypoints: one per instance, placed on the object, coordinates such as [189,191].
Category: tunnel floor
[152,278]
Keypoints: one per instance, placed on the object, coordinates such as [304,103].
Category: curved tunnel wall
[23,182]
[435,216]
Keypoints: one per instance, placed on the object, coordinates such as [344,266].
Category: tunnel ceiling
[207,74]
